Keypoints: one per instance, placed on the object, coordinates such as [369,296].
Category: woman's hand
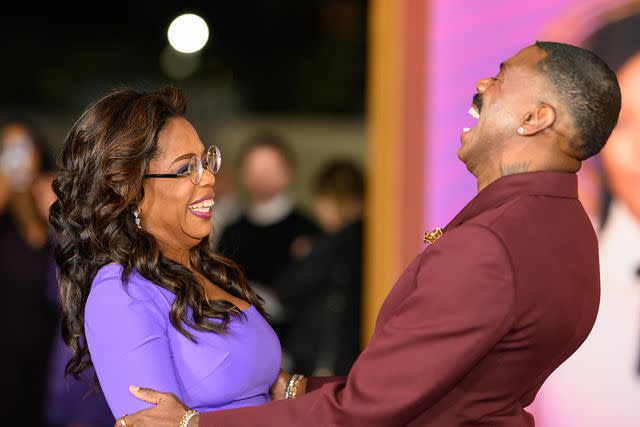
[280,385]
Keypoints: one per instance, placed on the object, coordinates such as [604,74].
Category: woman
[24,262]
[324,287]
[144,299]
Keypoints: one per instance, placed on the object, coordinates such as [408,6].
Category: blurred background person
[324,287]
[28,268]
[25,250]
[271,231]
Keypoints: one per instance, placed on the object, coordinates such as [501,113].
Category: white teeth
[474,113]
[205,204]
[466,129]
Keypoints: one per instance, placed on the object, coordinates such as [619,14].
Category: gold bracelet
[184,422]
[292,388]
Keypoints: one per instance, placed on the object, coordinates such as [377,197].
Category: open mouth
[473,112]
[202,208]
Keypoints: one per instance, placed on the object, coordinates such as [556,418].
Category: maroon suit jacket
[475,324]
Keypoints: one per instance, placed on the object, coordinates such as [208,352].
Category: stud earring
[136,214]
[520,130]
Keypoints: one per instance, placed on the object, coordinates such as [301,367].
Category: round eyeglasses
[195,167]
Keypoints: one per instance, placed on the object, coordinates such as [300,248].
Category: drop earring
[520,130]
[136,214]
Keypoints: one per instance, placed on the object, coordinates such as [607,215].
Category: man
[482,317]
[264,240]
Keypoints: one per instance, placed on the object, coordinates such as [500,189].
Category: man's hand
[280,385]
[168,411]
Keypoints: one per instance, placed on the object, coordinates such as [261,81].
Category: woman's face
[621,155]
[171,209]
[19,158]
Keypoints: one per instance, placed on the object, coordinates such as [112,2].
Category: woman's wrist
[302,388]
[194,421]
[296,387]
[190,419]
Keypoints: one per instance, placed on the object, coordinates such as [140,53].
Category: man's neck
[526,159]
[272,211]
[522,166]
[489,175]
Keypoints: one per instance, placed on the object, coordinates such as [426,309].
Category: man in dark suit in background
[266,238]
[480,319]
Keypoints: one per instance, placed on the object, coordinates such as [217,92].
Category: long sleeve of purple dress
[132,341]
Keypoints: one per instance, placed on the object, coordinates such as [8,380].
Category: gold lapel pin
[431,236]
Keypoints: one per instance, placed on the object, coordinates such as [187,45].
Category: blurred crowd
[306,266]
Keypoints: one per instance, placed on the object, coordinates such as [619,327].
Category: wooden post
[396,146]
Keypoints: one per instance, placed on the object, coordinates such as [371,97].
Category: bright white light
[188,33]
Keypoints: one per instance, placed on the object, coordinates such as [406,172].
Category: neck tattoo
[513,168]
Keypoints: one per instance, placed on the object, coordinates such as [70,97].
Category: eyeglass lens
[214,160]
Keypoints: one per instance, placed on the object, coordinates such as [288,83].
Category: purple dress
[132,341]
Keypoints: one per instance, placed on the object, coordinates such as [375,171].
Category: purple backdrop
[468,41]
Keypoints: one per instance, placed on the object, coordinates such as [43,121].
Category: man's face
[500,104]
[264,173]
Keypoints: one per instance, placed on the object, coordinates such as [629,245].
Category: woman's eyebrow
[184,156]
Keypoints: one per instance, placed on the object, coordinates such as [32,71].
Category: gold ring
[123,423]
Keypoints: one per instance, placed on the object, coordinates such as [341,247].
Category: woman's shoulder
[111,273]
[126,314]
[109,289]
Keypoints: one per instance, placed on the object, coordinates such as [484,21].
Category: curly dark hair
[101,170]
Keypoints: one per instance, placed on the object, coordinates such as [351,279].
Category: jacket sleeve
[314,383]
[461,306]
[126,335]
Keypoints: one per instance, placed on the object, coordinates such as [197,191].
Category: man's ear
[541,118]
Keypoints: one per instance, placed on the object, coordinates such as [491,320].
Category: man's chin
[462,154]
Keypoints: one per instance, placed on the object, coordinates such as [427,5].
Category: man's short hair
[589,88]
[270,139]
